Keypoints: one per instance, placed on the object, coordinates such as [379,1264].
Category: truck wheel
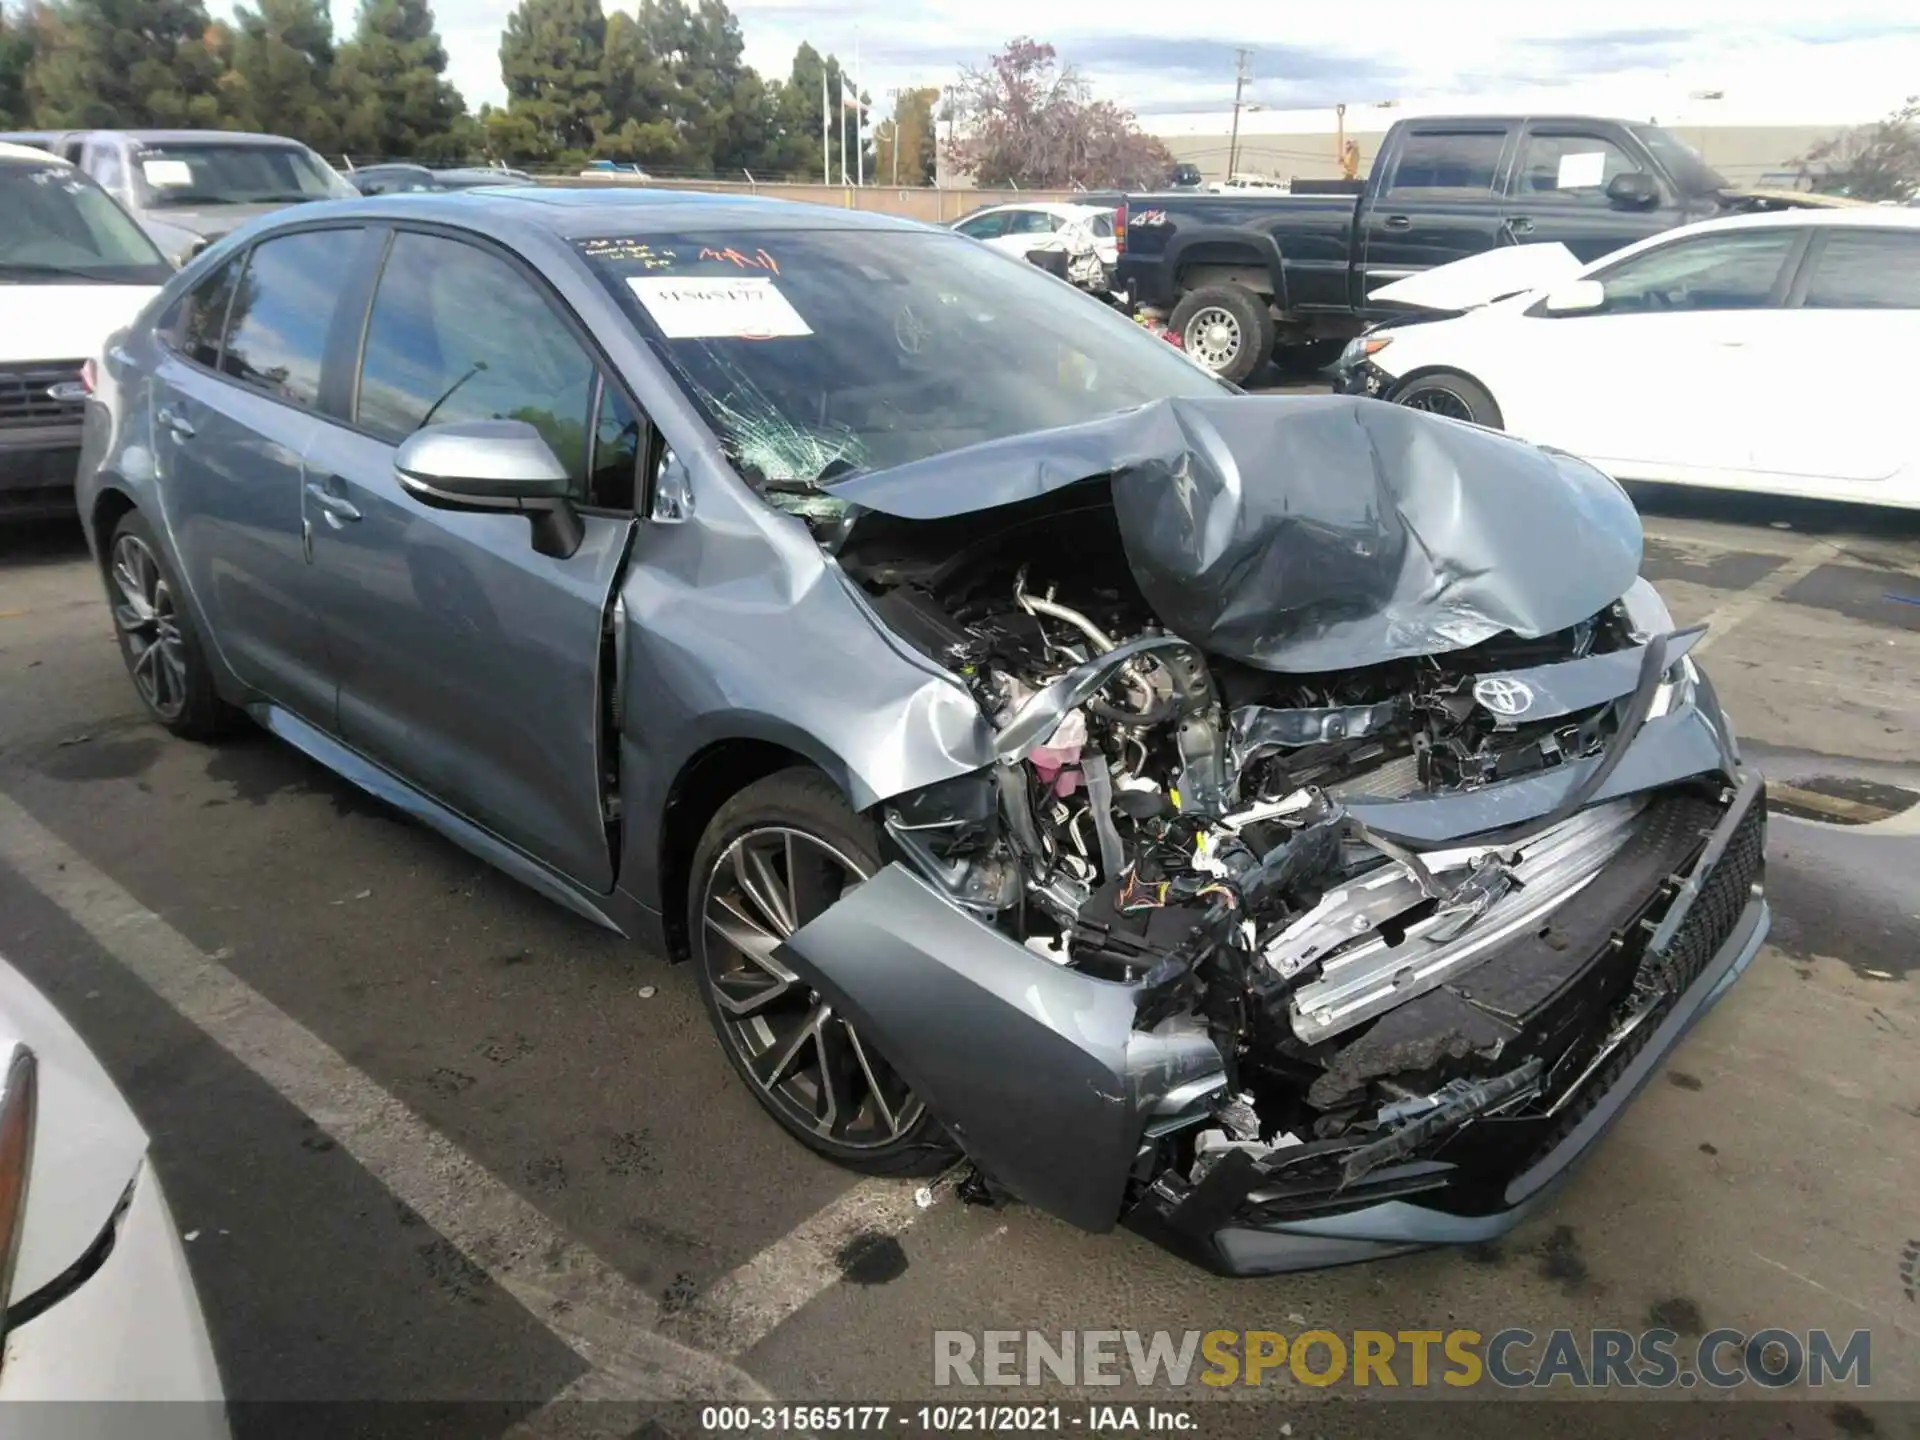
[1449,393]
[1308,357]
[1227,329]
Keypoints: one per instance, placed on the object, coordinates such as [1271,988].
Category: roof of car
[1051,207]
[577,212]
[189,137]
[1890,216]
[11,151]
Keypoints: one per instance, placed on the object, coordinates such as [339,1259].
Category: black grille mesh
[1728,888]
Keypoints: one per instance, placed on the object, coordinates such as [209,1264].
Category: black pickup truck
[1251,275]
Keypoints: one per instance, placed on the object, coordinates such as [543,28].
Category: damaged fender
[1035,1069]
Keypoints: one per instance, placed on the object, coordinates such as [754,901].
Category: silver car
[1286,826]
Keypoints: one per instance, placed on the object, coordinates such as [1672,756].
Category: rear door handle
[174,421]
[1520,225]
[339,510]
[1398,222]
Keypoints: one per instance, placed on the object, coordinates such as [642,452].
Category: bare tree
[1028,121]
[1880,161]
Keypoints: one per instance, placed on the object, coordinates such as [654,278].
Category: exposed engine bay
[1294,858]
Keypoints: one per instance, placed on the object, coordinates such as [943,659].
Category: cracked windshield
[821,354]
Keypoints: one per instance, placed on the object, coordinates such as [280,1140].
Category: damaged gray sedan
[1284,826]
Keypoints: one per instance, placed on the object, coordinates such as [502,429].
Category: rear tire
[773,858]
[1227,329]
[1449,393]
[164,654]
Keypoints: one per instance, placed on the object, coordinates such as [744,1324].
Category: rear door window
[1457,162]
[282,310]
[1865,270]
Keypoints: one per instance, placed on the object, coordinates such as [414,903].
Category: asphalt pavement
[431,1139]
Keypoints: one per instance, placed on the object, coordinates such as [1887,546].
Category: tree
[1880,161]
[1026,120]
[17,38]
[553,59]
[108,64]
[390,78]
[281,71]
[907,155]
[640,125]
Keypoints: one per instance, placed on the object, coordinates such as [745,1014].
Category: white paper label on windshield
[167,172]
[1583,171]
[713,308]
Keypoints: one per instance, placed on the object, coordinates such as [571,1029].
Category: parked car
[1242,273]
[398,178]
[1721,354]
[615,167]
[187,188]
[1084,232]
[96,1303]
[73,269]
[1041,751]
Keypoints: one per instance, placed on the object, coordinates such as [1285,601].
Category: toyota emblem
[1504,697]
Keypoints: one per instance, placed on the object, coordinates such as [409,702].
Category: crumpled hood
[87,1145]
[1487,276]
[1315,533]
[65,322]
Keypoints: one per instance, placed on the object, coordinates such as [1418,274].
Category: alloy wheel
[1213,337]
[1437,400]
[795,1046]
[149,623]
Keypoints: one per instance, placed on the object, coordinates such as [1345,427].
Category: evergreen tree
[282,71]
[391,89]
[17,35]
[553,59]
[110,64]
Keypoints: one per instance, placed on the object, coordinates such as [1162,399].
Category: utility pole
[1239,89]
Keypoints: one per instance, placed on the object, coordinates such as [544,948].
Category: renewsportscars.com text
[1512,1358]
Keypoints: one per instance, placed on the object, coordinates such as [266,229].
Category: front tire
[163,651]
[1227,329]
[773,858]
[1449,393]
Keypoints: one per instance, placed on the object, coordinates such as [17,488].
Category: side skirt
[617,911]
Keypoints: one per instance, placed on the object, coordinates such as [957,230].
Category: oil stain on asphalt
[871,1258]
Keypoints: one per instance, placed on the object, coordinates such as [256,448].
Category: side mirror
[1633,190]
[1576,296]
[493,466]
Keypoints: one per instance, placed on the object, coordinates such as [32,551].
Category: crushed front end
[1279,963]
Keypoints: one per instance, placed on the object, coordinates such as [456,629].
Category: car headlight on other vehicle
[1361,349]
[19,1101]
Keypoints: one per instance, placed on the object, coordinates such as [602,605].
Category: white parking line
[749,1303]
[587,1304]
[1724,619]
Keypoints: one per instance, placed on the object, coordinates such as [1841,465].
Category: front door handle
[338,509]
[1399,222]
[181,427]
[1520,225]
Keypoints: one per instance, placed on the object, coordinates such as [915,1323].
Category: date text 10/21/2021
[982,1419]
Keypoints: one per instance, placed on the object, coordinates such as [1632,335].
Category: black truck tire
[1227,329]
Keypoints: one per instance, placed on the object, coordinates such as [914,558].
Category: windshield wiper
[193,197]
[298,198]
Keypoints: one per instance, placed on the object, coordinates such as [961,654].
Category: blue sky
[1158,57]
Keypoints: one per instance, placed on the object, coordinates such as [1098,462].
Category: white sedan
[95,1300]
[1085,232]
[1751,353]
